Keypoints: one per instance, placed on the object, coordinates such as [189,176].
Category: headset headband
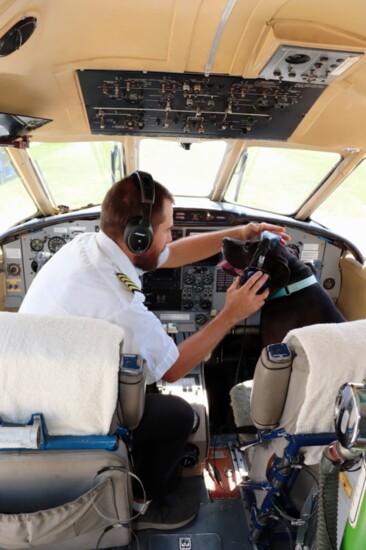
[147,189]
[268,242]
[138,233]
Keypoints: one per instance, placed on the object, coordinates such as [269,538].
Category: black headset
[268,242]
[138,233]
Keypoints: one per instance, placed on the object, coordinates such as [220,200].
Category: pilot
[98,275]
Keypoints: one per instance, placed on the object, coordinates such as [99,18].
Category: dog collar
[295,287]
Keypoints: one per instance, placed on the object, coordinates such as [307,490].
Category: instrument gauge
[55,243]
[200,319]
[36,245]
[207,279]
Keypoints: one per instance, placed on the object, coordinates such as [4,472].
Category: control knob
[198,288]
[190,456]
[14,269]
[189,279]
[42,257]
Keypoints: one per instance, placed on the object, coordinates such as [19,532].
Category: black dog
[289,306]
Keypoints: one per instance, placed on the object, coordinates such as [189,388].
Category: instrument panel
[185,298]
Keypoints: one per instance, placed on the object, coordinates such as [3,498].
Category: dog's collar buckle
[286,290]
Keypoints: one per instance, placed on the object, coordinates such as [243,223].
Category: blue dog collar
[295,287]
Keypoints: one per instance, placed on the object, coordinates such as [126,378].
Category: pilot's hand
[253,230]
[243,301]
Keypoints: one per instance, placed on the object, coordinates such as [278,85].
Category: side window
[15,201]
[344,211]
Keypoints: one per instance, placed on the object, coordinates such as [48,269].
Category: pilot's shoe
[169,512]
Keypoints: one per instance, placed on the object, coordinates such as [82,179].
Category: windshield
[78,174]
[278,180]
[15,201]
[185,168]
[273,179]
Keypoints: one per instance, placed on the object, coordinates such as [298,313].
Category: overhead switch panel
[194,105]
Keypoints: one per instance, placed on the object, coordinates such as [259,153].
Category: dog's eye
[247,246]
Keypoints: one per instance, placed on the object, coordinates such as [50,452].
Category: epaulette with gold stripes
[127,281]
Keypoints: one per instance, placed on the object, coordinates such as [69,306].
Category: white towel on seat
[326,356]
[63,367]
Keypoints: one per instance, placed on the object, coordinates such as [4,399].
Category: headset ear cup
[138,235]
[249,272]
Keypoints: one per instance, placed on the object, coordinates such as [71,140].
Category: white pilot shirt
[81,280]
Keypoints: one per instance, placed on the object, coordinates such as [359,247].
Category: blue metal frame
[281,475]
[69,442]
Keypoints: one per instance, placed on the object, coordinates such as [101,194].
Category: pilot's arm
[197,247]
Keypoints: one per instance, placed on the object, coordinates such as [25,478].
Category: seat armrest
[131,391]
[270,385]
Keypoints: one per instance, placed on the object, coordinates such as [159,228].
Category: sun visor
[13,127]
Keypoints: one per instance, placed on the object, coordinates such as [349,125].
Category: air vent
[18,35]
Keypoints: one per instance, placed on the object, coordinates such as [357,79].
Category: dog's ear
[293,249]
[276,265]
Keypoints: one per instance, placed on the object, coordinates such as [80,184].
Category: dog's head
[238,256]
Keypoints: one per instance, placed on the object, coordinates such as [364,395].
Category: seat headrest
[63,367]
[326,356]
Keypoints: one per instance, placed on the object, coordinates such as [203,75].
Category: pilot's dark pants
[159,443]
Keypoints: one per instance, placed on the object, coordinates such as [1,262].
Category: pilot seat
[290,405]
[69,400]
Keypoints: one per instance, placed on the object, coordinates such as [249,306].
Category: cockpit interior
[247,111]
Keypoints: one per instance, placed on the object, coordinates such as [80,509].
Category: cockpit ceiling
[282,69]
[208,105]
[194,105]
